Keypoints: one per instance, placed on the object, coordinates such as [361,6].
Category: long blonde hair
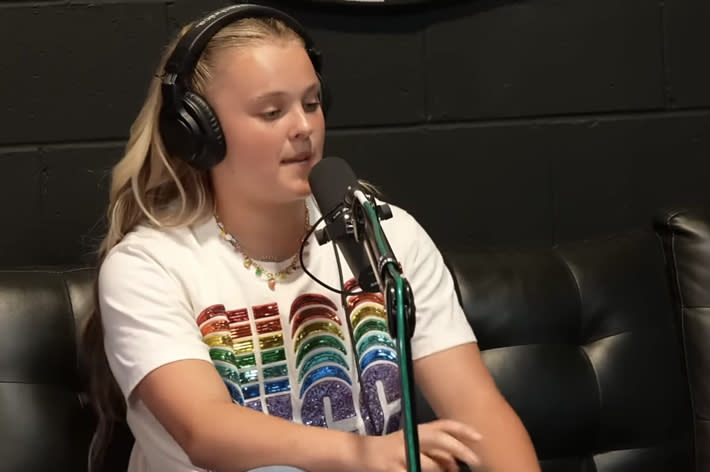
[148,186]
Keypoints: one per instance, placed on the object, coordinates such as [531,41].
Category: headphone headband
[179,67]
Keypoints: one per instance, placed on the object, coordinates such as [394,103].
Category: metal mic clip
[341,224]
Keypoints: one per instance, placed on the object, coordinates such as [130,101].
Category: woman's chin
[304,193]
[302,189]
[297,193]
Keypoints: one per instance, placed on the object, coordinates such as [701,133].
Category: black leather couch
[600,346]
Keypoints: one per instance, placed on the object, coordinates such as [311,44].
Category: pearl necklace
[260,271]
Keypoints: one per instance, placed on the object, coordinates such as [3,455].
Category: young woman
[227,355]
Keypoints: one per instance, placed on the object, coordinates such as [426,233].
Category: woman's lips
[298,158]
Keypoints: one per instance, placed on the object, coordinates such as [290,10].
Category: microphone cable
[344,303]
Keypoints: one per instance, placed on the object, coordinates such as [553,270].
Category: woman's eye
[271,114]
[312,106]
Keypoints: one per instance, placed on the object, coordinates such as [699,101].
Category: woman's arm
[474,399]
[191,402]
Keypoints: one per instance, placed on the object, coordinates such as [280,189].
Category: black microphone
[332,183]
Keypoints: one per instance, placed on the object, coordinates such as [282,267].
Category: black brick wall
[531,122]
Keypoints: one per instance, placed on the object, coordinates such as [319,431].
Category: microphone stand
[399,301]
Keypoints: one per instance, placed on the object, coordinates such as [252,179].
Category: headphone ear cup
[178,131]
[210,147]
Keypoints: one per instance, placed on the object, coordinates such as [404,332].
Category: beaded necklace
[260,271]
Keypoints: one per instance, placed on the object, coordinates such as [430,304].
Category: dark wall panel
[75,197]
[675,168]
[495,122]
[523,184]
[688,48]
[22,175]
[74,72]
[373,64]
[615,174]
[53,203]
[467,185]
[501,59]
[181,12]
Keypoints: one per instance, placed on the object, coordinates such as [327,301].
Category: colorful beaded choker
[249,262]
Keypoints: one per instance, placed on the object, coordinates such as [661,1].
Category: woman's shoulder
[407,236]
[147,245]
[149,239]
[401,221]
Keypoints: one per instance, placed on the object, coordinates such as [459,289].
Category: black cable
[344,303]
[337,258]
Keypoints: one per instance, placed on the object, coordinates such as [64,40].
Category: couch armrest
[686,242]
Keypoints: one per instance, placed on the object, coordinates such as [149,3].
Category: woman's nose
[303,126]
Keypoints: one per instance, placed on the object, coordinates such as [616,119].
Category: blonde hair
[148,186]
[147,180]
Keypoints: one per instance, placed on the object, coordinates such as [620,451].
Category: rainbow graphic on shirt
[305,371]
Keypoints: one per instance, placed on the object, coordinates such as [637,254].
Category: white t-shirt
[168,295]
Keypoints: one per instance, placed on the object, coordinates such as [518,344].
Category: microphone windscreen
[329,180]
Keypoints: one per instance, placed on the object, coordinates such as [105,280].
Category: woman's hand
[441,444]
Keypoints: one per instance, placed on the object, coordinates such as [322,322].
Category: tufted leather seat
[42,420]
[581,339]
[45,421]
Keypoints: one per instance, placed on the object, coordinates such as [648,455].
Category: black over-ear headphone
[188,126]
